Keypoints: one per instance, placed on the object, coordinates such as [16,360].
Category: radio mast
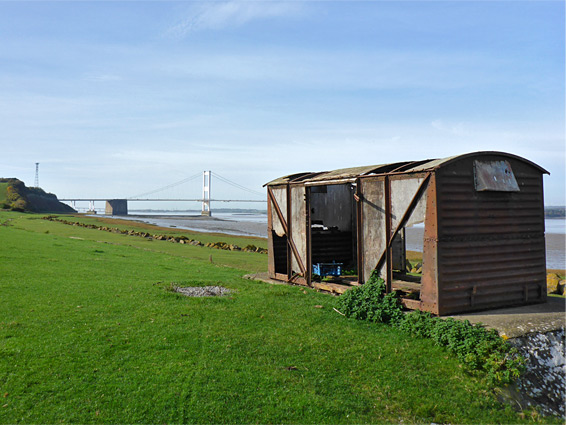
[37,174]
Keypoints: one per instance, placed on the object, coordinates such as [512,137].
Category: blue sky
[118,98]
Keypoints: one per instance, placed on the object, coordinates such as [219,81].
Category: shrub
[475,347]
[370,302]
[19,205]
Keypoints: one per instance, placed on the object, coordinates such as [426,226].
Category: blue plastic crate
[327,269]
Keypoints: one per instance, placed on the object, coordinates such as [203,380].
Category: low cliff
[16,196]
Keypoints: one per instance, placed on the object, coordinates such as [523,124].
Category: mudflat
[206,224]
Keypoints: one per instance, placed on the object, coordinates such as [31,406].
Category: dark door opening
[280,253]
[333,233]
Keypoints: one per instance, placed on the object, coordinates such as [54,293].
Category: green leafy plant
[350,272]
[476,347]
[371,302]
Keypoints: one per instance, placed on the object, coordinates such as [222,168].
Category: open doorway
[333,233]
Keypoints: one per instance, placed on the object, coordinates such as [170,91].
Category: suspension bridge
[120,206]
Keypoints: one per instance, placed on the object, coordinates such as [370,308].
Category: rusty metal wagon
[483,215]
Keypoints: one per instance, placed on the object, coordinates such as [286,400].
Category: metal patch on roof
[495,176]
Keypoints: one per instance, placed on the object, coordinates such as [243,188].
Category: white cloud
[217,16]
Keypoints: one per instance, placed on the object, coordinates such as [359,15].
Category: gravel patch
[203,291]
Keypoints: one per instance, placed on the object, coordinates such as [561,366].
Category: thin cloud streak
[219,16]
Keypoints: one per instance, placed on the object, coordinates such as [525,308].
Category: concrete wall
[116,207]
[544,381]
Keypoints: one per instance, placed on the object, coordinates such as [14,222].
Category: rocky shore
[161,237]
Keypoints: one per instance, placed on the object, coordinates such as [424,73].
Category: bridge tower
[206,176]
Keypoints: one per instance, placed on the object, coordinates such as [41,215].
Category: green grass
[89,334]
[250,262]
[203,237]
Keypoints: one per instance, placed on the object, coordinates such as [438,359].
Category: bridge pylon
[206,180]
[91,209]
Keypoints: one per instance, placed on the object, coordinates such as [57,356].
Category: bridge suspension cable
[188,179]
[236,185]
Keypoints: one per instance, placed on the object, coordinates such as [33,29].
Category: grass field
[90,334]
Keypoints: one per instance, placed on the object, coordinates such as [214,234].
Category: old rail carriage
[483,244]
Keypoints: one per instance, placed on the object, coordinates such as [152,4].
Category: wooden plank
[406,286]
[331,287]
[411,304]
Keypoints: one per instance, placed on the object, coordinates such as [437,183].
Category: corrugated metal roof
[345,173]
[354,172]
[340,174]
[432,164]
[437,163]
[285,179]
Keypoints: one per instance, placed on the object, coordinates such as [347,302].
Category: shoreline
[204,224]
[555,242]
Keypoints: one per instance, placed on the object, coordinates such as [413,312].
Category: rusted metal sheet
[359,231]
[435,164]
[345,173]
[496,176]
[372,192]
[429,279]
[290,178]
[491,242]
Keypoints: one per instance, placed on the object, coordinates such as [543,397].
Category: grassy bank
[91,335]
